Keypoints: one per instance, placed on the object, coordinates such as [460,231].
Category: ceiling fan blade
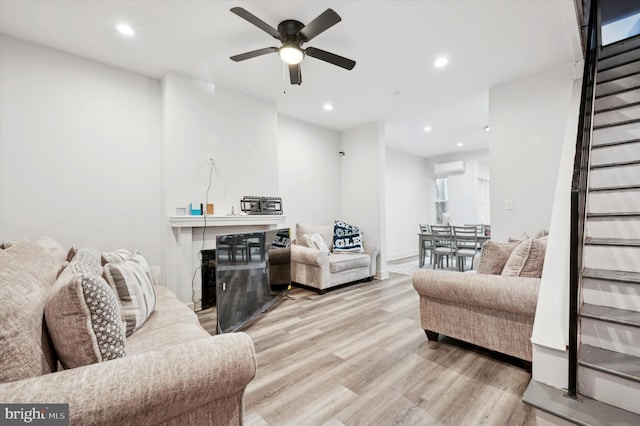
[248,16]
[295,73]
[253,54]
[332,58]
[323,22]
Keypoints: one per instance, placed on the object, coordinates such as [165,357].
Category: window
[442,200]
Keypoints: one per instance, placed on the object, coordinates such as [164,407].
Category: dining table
[425,236]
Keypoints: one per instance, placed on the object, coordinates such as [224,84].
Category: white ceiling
[393,42]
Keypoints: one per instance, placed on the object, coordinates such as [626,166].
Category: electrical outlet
[210,158]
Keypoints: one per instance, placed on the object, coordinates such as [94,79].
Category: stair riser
[616,153]
[615,176]
[622,228]
[617,100]
[613,390]
[616,116]
[612,258]
[623,70]
[618,133]
[614,337]
[625,83]
[613,61]
[610,202]
[611,293]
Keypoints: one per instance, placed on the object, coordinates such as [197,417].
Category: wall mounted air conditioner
[444,169]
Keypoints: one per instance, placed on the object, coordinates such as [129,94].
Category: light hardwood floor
[358,356]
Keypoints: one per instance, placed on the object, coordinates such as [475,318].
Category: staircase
[609,315]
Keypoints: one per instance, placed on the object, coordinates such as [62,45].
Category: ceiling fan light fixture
[291,55]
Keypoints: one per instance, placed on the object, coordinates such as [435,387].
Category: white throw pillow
[316,241]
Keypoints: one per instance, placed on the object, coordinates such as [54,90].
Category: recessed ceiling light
[427,129]
[487,128]
[328,107]
[460,144]
[441,62]
[125,29]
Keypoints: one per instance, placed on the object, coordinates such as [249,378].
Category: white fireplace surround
[192,234]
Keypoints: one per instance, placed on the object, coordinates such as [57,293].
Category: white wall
[463,188]
[550,335]
[363,185]
[408,188]
[528,119]
[309,172]
[79,151]
[241,133]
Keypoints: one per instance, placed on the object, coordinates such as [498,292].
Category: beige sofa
[313,268]
[174,372]
[487,309]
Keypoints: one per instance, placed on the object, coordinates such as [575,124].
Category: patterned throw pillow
[83,318]
[316,241]
[526,260]
[131,280]
[117,256]
[346,238]
[493,256]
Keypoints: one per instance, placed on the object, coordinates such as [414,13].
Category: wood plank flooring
[358,356]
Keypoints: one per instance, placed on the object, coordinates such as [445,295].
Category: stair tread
[585,411]
[614,188]
[619,364]
[616,108]
[618,124]
[604,274]
[614,143]
[609,314]
[624,242]
[615,164]
[618,77]
[620,47]
[613,215]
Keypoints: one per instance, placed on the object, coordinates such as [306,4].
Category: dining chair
[465,240]
[427,244]
[443,247]
[480,230]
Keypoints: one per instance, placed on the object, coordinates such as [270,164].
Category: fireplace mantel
[225,220]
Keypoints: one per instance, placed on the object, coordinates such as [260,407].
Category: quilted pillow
[316,241]
[493,256]
[83,318]
[131,281]
[346,238]
[526,260]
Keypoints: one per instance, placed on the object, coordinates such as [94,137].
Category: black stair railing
[579,186]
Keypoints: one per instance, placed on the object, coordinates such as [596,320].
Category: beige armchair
[321,271]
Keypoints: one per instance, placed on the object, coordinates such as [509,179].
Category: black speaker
[208,278]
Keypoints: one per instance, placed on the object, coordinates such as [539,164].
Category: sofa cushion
[315,241]
[339,262]
[83,318]
[325,230]
[526,260]
[28,270]
[493,256]
[346,238]
[131,281]
[120,255]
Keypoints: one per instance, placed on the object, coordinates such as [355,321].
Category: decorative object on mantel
[254,205]
[181,211]
[195,209]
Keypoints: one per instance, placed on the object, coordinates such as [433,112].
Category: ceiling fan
[292,34]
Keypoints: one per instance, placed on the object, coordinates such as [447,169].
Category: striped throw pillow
[131,280]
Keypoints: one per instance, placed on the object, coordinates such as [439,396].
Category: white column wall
[363,185]
[408,194]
